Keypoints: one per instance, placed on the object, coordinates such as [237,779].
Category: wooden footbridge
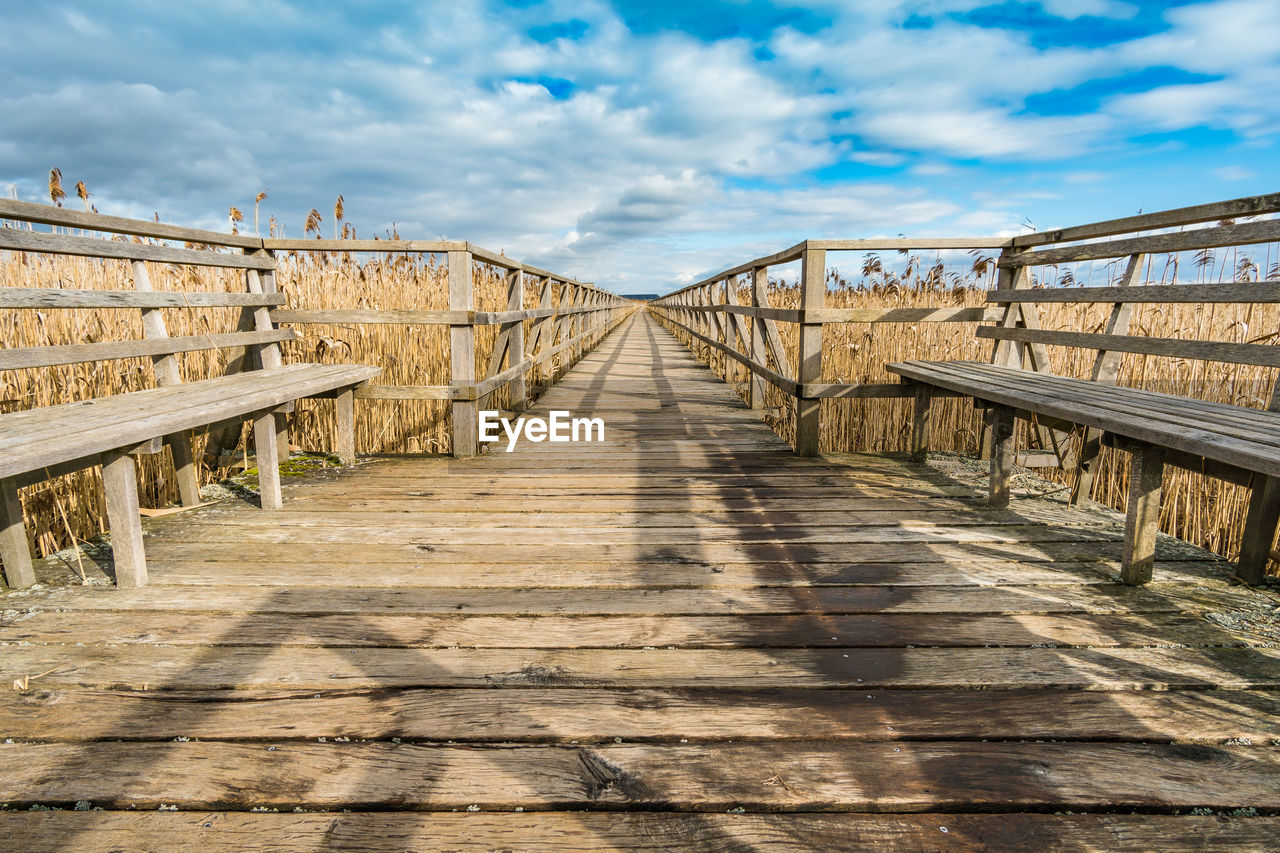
[682,637]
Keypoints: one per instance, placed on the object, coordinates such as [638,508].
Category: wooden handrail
[708,314]
[574,326]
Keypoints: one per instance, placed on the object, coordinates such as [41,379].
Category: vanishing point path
[684,637]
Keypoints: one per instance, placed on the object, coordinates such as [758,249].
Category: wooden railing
[708,313]
[569,326]
[570,319]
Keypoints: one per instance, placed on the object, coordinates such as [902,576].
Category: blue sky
[642,145]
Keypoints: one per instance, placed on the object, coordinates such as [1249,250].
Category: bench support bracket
[1259,530]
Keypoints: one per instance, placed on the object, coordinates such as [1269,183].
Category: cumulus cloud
[636,157]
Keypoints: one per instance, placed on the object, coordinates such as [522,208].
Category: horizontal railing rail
[569,319]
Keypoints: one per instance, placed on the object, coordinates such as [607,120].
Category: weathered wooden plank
[1265,231]
[168,372]
[1221,292]
[1215,211]
[744,535]
[25,211]
[271,566]
[813,295]
[49,297]
[377,832]
[1136,404]
[19,358]
[976,597]
[1001,457]
[599,715]
[64,244]
[790,776]
[192,667]
[345,425]
[1264,355]
[814,630]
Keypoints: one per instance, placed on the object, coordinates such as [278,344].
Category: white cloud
[1234,173]
[667,156]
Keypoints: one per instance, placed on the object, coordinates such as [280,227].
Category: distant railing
[709,313]
[571,325]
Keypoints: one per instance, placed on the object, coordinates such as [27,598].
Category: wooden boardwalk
[684,637]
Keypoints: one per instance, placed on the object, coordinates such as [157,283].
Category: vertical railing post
[813,294]
[270,355]
[756,388]
[719,296]
[515,346]
[462,353]
[543,334]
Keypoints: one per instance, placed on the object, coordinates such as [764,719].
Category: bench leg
[1001,455]
[14,550]
[920,423]
[1259,530]
[1090,449]
[120,483]
[344,407]
[1142,518]
[264,436]
[184,465]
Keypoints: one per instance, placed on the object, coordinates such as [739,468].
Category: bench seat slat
[1125,404]
[1237,421]
[46,437]
[1249,424]
[1103,407]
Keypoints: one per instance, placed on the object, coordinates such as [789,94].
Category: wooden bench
[37,444]
[1156,429]
[1234,443]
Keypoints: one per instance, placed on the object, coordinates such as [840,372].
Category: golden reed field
[1204,511]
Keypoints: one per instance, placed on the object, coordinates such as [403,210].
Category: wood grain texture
[770,777]
[587,832]
[678,623]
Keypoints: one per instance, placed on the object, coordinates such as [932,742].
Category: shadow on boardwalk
[741,714]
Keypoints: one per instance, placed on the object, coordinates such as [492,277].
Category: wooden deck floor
[682,638]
